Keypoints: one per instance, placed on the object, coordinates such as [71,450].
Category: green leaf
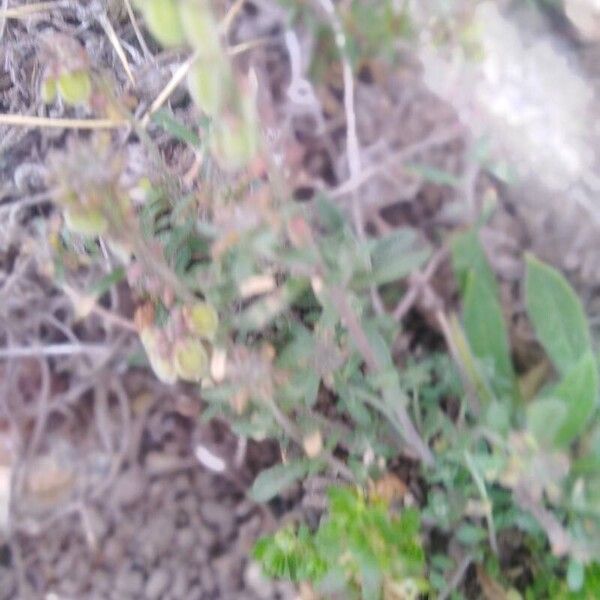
[395,256]
[579,391]
[467,256]
[575,575]
[557,315]
[274,480]
[545,418]
[470,535]
[177,129]
[486,333]
[105,283]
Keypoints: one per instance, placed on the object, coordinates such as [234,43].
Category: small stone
[157,584]
[113,551]
[156,538]
[129,581]
[129,487]
[256,582]
[186,539]
[219,516]
[227,574]
[179,586]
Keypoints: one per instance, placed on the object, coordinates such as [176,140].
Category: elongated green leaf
[467,361]
[101,287]
[486,333]
[545,418]
[177,129]
[274,480]
[395,256]
[557,315]
[468,256]
[579,391]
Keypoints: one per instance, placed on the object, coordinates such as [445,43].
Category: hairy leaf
[557,315]
[274,480]
[579,391]
[486,333]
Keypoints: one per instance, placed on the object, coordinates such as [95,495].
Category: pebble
[113,550]
[179,586]
[129,487]
[219,516]
[186,538]
[156,537]
[8,587]
[255,582]
[157,584]
[129,581]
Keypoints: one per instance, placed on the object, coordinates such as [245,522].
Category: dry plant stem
[136,29]
[458,576]
[294,434]
[42,411]
[489,517]
[352,143]
[114,40]
[232,13]
[437,138]
[52,350]
[420,280]
[177,77]
[35,122]
[409,432]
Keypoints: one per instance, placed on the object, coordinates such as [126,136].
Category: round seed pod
[48,90]
[75,87]
[190,359]
[201,319]
[163,368]
[89,222]
[200,27]
[208,82]
[163,21]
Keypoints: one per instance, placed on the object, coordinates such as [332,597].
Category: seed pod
[234,143]
[207,83]
[162,19]
[75,87]
[163,368]
[48,90]
[89,222]
[200,27]
[201,319]
[190,359]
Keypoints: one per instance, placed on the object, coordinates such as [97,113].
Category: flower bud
[190,359]
[201,319]
[75,87]
[89,222]
[163,21]
[207,83]
[235,143]
[200,27]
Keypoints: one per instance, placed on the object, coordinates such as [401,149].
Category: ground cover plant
[453,467]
